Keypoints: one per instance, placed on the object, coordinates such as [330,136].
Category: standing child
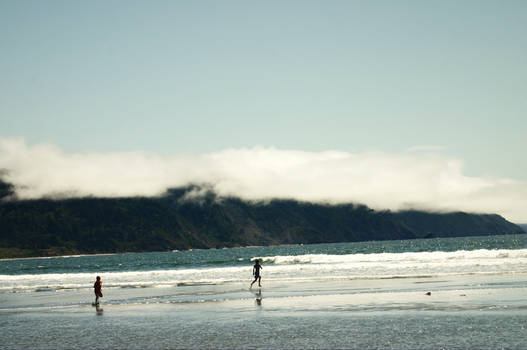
[256,272]
[97,287]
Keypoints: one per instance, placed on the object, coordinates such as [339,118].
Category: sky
[393,104]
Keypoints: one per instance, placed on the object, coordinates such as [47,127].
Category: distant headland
[177,220]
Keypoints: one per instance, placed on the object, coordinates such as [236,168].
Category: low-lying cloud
[378,179]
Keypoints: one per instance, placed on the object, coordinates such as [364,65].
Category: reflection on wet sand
[259,297]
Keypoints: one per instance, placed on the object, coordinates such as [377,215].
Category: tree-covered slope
[173,221]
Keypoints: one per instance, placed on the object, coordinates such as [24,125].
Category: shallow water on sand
[380,314]
[318,296]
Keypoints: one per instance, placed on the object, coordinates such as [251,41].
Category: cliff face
[96,225]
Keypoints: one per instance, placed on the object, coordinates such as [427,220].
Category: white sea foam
[308,267]
[399,257]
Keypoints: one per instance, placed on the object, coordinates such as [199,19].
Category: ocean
[452,293]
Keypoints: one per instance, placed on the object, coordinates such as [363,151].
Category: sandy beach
[460,312]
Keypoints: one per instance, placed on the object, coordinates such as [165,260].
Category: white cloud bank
[379,180]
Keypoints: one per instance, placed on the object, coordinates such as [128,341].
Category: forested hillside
[173,221]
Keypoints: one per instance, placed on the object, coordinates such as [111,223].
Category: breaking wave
[307,267]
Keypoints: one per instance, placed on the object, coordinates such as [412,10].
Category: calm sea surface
[451,292]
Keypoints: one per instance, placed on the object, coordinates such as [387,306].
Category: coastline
[441,293]
[364,242]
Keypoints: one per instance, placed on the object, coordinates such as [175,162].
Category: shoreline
[378,314]
[247,247]
[258,246]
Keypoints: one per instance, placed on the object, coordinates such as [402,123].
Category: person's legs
[256,278]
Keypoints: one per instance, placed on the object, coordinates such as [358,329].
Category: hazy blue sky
[180,77]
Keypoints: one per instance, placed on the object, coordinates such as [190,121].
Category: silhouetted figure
[256,272]
[97,288]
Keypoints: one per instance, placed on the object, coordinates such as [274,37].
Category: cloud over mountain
[381,180]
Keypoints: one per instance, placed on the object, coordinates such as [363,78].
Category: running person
[256,272]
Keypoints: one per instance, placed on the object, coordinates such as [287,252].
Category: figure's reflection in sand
[259,297]
[99,310]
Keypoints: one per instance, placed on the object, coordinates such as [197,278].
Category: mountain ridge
[180,220]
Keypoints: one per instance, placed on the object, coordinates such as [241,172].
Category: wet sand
[461,312]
